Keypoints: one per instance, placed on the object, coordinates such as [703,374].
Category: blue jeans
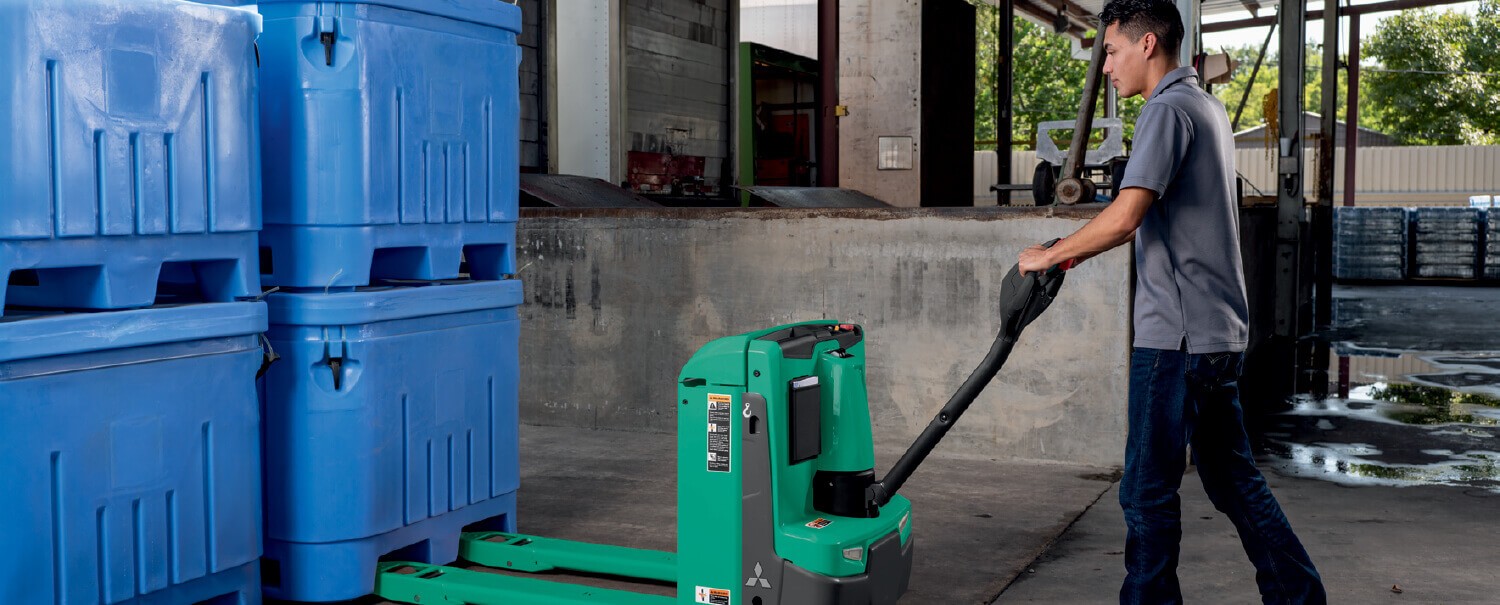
[1177,400]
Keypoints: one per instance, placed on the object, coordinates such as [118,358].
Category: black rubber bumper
[886,578]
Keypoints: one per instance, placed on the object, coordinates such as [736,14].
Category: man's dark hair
[1136,17]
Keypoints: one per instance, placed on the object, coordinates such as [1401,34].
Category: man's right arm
[1115,225]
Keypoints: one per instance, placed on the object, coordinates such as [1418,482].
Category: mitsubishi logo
[764,583]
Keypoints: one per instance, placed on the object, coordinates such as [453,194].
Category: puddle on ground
[1403,419]
[1335,462]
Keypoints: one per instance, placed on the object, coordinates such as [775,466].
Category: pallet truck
[777,500]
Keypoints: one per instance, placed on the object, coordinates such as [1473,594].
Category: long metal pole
[1351,121]
[1081,128]
[1004,103]
[1234,125]
[828,93]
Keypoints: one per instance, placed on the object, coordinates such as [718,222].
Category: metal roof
[1229,14]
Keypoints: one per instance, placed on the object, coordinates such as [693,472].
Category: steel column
[828,93]
[1351,129]
[1004,89]
[1290,214]
[1322,230]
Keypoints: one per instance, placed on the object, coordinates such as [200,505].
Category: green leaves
[1438,108]
[1417,108]
[1048,81]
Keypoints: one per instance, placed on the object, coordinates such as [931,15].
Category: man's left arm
[1114,226]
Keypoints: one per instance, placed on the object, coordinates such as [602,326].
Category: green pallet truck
[777,500]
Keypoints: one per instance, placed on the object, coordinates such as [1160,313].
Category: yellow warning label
[717,398]
[711,596]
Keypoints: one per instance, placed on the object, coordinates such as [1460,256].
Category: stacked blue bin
[130,450]
[391,147]
[392,151]
[131,455]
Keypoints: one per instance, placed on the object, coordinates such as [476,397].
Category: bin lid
[38,334]
[390,302]
[494,13]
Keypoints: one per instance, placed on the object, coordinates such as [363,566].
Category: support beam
[1322,227]
[1005,68]
[1351,129]
[1361,9]
[1044,12]
[1192,26]
[828,93]
[1289,203]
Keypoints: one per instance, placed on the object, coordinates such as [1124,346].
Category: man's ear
[1148,44]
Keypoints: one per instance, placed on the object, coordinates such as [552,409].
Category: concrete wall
[880,69]
[677,62]
[617,301]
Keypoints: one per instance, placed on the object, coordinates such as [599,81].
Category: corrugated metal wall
[1387,176]
[677,79]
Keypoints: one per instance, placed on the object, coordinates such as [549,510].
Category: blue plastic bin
[391,423]
[391,140]
[131,451]
[130,141]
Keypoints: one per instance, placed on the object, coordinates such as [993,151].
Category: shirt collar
[1173,77]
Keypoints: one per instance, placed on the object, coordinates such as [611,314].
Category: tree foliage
[1445,108]
[1047,82]
[1267,80]
[1417,108]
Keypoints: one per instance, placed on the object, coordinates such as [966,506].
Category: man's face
[1125,61]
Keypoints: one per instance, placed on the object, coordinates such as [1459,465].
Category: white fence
[1386,176]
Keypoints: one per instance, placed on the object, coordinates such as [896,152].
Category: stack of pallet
[1370,243]
[1446,242]
[128,226]
[1492,244]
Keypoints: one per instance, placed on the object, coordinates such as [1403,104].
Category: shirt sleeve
[1162,137]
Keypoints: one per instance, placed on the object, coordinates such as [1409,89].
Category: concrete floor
[1437,544]
[1383,494]
[978,523]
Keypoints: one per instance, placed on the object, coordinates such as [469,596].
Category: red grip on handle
[1067,264]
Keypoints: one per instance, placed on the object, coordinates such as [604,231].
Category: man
[1177,204]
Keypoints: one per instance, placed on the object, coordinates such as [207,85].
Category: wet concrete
[1417,318]
[1394,483]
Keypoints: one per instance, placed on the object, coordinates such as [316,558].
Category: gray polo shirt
[1190,285]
